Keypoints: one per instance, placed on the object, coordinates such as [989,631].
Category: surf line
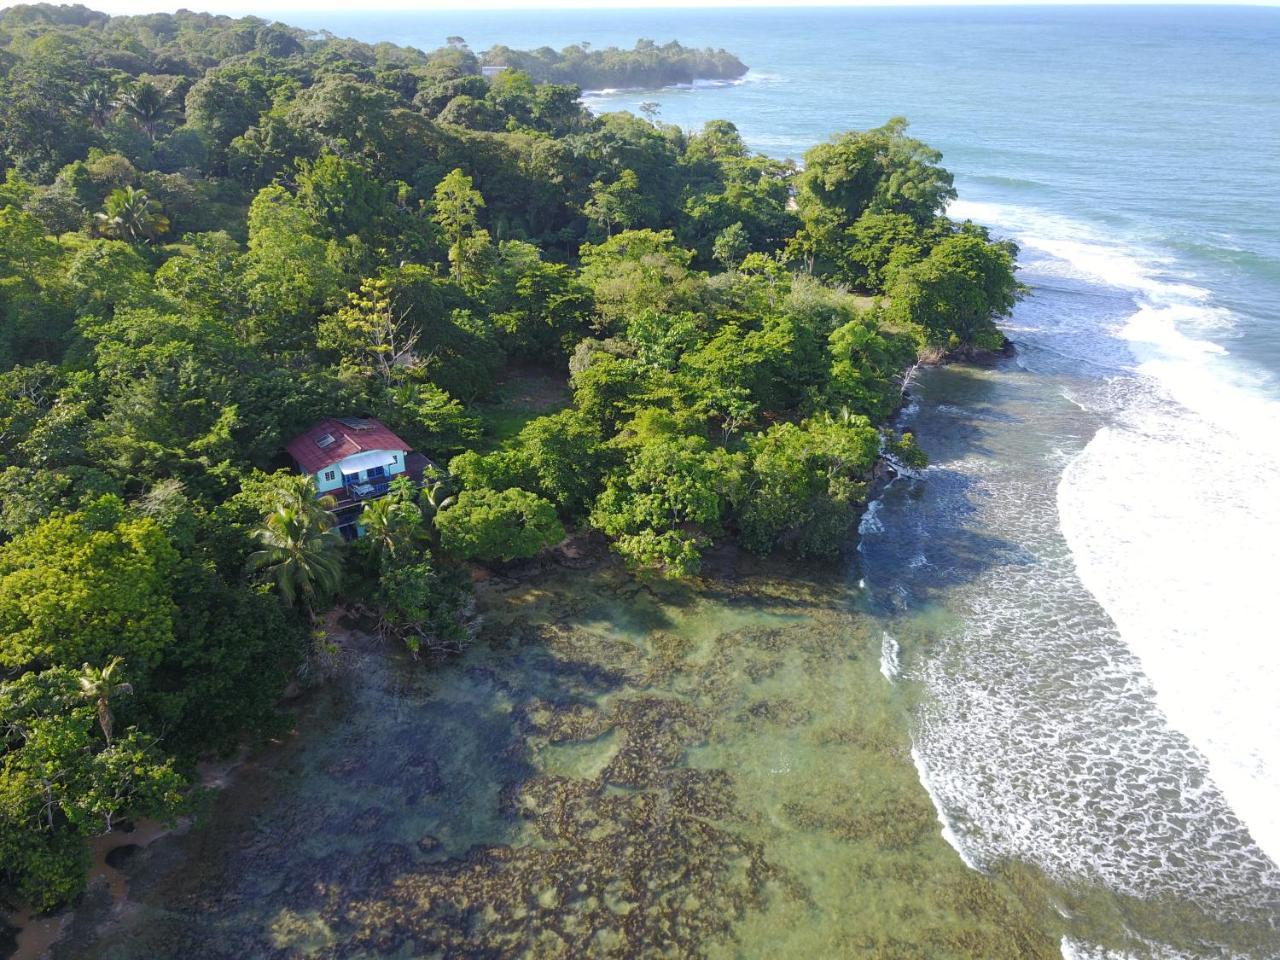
[948,832]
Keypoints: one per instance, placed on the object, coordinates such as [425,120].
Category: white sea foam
[1121,741]
[1174,524]
[890,656]
[1041,736]
[1077,950]
[948,834]
[1173,512]
[870,522]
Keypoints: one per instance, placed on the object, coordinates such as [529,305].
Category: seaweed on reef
[630,864]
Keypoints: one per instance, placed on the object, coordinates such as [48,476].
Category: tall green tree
[60,785]
[290,275]
[880,171]
[637,270]
[456,208]
[956,293]
[87,586]
[374,339]
[616,205]
[95,102]
[498,525]
[391,525]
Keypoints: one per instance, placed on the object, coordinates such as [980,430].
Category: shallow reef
[618,768]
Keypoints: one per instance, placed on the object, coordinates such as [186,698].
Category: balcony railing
[366,489]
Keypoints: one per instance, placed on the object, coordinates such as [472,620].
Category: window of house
[328,474]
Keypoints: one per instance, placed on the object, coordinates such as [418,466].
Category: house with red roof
[352,459]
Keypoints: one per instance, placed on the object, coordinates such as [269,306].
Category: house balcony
[368,489]
[354,494]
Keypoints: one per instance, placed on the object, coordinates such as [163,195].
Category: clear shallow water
[618,768]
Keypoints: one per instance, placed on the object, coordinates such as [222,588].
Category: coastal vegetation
[215,231]
[647,65]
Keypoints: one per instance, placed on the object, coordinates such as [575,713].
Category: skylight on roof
[327,440]
[356,423]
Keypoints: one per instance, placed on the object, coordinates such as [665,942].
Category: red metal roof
[350,436]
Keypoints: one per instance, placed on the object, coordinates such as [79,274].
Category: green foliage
[61,782]
[422,607]
[340,195]
[147,106]
[618,205]
[540,308]
[804,483]
[429,418]
[499,470]
[289,275]
[648,66]
[392,525]
[133,216]
[638,269]
[457,205]
[881,172]
[105,274]
[562,456]
[956,293]
[732,245]
[220,680]
[84,586]
[881,241]
[907,452]
[223,106]
[371,339]
[498,525]
[300,548]
[670,495]
[866,363]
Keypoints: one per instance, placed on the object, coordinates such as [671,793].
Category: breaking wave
[1172,513]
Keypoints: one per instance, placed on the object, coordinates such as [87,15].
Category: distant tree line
[648,65]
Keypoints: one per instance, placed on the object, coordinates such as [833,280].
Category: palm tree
[133,216]
[382,524]
[300,552]
[100,686]
[148,106]
[95,101]
[299,492]
[435,494]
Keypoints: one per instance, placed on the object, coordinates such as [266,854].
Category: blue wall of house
[330,478]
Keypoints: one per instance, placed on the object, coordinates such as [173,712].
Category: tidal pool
[619,767]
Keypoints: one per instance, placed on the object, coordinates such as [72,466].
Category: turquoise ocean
[1081,590]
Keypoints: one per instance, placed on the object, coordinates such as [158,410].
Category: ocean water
[1079,595]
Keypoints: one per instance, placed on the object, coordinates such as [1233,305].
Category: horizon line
[293,8]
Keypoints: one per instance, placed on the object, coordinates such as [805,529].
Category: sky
[281,8]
